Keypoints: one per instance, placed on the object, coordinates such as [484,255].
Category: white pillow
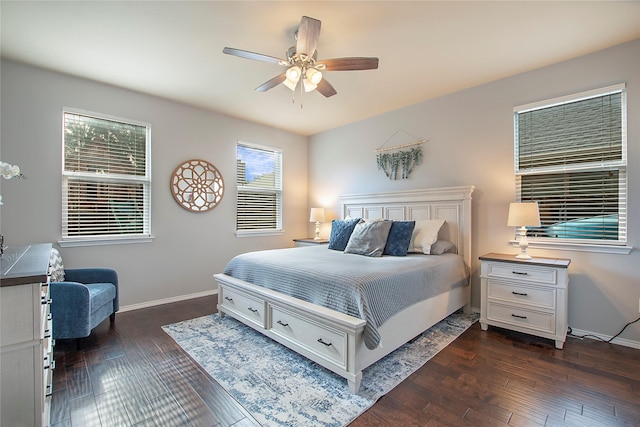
[425,234]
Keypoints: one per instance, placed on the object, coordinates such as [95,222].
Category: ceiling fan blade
[325,88]
[348,64]
[272,83]
[308,35]
[255,56]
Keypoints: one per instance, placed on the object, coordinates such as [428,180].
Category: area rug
[280,388]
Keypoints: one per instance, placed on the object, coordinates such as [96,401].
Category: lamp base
[317,237]
[524,244]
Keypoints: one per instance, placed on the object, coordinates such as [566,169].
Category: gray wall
[470,137]
[188,247]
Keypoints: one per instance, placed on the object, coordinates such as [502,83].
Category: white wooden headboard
[453,204]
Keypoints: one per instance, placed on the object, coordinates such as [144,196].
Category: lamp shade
[523,214]
[317,215]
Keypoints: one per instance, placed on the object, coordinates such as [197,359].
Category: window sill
[258,233]
[103,242]
[580,247]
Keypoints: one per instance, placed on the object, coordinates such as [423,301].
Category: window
[570,157]
[259,179]
[106,178]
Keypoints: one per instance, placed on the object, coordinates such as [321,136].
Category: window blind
[259,181]
[106,179]
[570,157]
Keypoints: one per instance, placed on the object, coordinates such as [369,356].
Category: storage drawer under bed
[249,307]
[330,344]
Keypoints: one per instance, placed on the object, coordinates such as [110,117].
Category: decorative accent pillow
[341,230]
[399,238]
[55,266]
[442,247]
[425,235]
[369,238]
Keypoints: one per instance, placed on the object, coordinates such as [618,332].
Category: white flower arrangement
[9,171]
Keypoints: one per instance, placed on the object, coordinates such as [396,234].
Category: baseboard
[166,300]
[578,333]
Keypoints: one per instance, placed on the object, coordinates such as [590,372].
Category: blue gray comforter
[373,289]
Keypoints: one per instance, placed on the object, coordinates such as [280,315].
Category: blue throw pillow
[341,230]
[399,238]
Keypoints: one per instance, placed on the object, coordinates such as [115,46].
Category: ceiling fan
[303,67]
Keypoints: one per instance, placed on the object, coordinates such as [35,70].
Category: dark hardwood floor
[131,373]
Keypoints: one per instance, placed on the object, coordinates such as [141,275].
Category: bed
[346,337]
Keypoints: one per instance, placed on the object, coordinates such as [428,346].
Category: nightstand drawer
[523,272]
[521,294]
[523,318]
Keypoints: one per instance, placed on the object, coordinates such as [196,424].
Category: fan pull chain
[301,84]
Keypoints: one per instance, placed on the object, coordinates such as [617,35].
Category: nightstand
[527,296]
[309,242]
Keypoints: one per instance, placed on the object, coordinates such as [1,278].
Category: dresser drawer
[325,342]
[247,306]
[537,296]
[522,273]
[521,317]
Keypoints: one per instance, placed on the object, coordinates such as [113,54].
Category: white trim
[163,301]
[618,341]
[106,241]
[258,233]
[578,247]
[104,117]
[570,98]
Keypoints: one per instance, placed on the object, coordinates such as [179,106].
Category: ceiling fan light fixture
[293,74]
[314,76]
[308,85]
[291,85]
[302,62]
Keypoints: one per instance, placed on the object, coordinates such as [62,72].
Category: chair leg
[112,317]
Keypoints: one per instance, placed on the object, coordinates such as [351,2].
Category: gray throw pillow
[369,238]
[442,247]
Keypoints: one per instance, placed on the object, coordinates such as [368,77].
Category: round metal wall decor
[197,185]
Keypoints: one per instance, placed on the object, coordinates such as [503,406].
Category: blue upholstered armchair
[85,298]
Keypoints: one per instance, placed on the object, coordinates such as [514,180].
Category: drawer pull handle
[321,341]
[229,299]
[280,322]
[523,294]
[521,273]
[253,310]
[519,317]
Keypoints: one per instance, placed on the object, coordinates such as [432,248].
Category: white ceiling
[173,49]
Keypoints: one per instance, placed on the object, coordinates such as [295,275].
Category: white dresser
[528,296]
[26,345]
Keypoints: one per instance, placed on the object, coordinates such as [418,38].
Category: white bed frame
[332,339]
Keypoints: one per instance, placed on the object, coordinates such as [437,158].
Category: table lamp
[317,216]
[523,214]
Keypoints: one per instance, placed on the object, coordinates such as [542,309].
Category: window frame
[277,191]
[145,180]
[613,246]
